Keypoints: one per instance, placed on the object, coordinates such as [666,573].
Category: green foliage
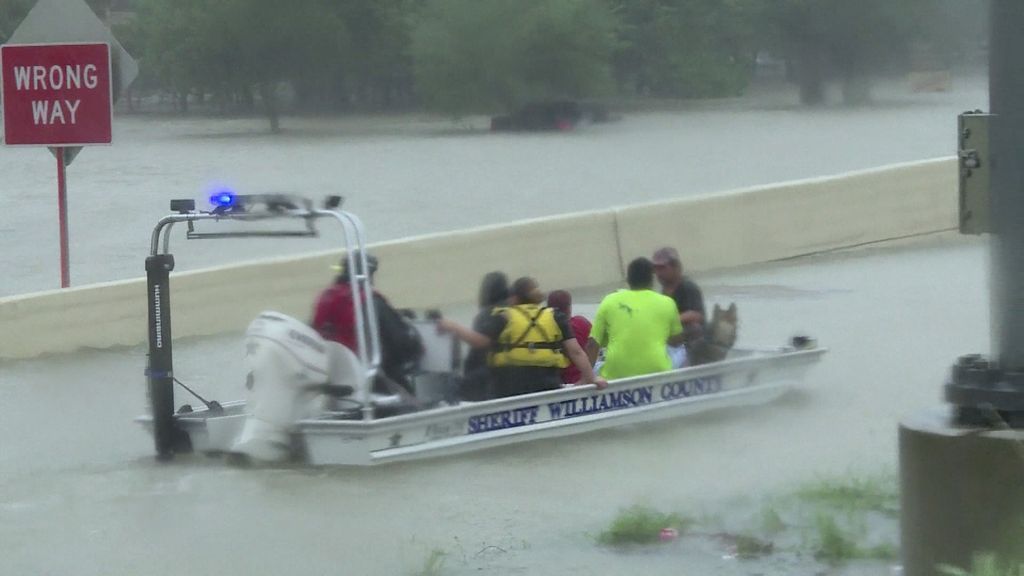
[482,56]
[490,55]
[771,521]
[12,12]
[853,39]
[877,494]
[835,545]
[751,547]
[982,565]
[434,563]
[641,525]
[685,48]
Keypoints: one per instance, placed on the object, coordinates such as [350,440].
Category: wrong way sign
[56,94]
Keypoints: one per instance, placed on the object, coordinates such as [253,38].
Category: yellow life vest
[531,338]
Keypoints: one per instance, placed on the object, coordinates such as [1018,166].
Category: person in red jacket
[334,317]
[562,301]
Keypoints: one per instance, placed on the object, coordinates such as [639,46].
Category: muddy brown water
[80,492]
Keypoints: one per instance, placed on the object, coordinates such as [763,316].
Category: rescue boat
[310,401]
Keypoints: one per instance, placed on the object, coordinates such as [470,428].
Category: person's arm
[691,316]
[676,337]
[579,359]
[467,335]
[695,301]
[593,348]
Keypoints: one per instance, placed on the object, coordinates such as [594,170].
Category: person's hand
[600,382]
[444,326]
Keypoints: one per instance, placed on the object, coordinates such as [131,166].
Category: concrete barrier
[792,219]
[588,249]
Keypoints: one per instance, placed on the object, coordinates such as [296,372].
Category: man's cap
[664,256]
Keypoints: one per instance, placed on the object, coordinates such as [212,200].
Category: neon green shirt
[634,326]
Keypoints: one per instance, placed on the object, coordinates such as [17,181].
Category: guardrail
[720,230]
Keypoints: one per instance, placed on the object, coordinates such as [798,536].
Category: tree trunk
[267,94]
[810,75]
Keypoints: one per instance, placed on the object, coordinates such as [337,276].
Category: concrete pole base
[962,493]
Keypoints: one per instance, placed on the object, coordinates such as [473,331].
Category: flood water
[80,492]
[412,175]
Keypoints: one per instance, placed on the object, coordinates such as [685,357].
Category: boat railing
[249,209]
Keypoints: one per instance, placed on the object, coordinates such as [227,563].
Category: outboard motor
[290,367]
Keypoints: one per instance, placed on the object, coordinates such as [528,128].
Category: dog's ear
[732,308]
[718,309]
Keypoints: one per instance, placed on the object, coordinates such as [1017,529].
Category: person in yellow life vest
[529,344]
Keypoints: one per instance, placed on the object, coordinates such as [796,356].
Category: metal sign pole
[1006,96]
[62,215]
[990,392]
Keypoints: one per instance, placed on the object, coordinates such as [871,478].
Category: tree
[12,12]
[235,48]
[489,55]
[685,48]
[853,39]
[375,68]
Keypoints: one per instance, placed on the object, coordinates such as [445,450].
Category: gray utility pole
[991,391]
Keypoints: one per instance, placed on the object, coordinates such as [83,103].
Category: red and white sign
[56,94]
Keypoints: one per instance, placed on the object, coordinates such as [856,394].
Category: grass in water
[750,547]
[641,525]
[835,545]
[982,565]
[433,564]
[877,494]
[771,521]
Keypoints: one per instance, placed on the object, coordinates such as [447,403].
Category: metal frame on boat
[745,377]
[167,434]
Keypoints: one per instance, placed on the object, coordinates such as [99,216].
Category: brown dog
[720,337]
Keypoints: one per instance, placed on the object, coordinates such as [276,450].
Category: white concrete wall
[791,219]
[720,230]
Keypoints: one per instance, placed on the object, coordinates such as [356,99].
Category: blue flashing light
[223,198]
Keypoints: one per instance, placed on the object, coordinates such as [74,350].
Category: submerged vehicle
[551,115]
[311,400]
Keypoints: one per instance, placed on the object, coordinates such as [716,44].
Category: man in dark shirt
[687,295]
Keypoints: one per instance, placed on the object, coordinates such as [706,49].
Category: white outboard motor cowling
[289,364]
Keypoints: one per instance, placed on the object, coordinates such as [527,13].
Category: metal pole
[990,392]
[62,215]
[1006,99]
[160,369]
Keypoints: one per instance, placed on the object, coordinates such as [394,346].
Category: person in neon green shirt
[634,325]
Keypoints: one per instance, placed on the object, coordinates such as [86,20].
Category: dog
[719,338]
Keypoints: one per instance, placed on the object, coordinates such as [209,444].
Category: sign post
[61,72]
[57,95]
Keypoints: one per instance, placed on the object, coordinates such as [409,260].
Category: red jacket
[335,316]
[581,328]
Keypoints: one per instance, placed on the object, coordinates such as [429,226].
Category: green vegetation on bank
[984,565]
[491,56]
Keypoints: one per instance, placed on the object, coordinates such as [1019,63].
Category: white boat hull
[747,377]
